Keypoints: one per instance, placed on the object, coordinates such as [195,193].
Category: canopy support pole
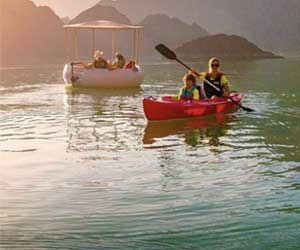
[113,45]
[134,46]
[75,45]
[93,41]
[137,46]
[66,45]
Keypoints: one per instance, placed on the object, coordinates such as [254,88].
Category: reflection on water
[82,169]
[107,120]
[196,131]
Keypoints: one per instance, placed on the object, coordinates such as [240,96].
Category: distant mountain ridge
[35,35]
[160,28]
[222,45]
[29,34]
[101,12]
[65,20]
[272,24]
[171,30]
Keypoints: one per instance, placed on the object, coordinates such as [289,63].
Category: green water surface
[83,169]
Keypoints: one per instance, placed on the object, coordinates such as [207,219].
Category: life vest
[208,91]
[188,94]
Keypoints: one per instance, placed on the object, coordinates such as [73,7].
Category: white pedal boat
[102,78]
[78,76]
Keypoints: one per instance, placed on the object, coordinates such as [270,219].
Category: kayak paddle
[168,53]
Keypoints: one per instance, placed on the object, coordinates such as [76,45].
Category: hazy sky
[70,8]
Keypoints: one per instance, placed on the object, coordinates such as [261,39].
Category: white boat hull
[102,78]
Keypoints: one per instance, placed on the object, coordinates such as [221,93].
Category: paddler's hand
[196,74]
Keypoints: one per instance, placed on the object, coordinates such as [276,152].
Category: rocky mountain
[29,34]
[272,24]
[65,19]
[35,35]
[160,28]
[222,45]
[98,12]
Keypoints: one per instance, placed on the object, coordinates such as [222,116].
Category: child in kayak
[189,91]
[217,78]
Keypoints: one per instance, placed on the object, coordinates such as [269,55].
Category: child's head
[189,80]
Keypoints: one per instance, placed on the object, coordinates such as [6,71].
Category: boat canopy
[103,25]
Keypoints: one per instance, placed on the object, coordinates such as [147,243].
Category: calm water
[84,170]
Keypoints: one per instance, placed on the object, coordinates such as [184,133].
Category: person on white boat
[98,63]
[120,61]
[131,65]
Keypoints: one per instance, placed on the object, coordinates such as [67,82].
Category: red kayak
[164,108]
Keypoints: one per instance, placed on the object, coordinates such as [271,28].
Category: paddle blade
[166,52]
[247,109]
[240,105]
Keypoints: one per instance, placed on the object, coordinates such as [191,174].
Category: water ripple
[83,169]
